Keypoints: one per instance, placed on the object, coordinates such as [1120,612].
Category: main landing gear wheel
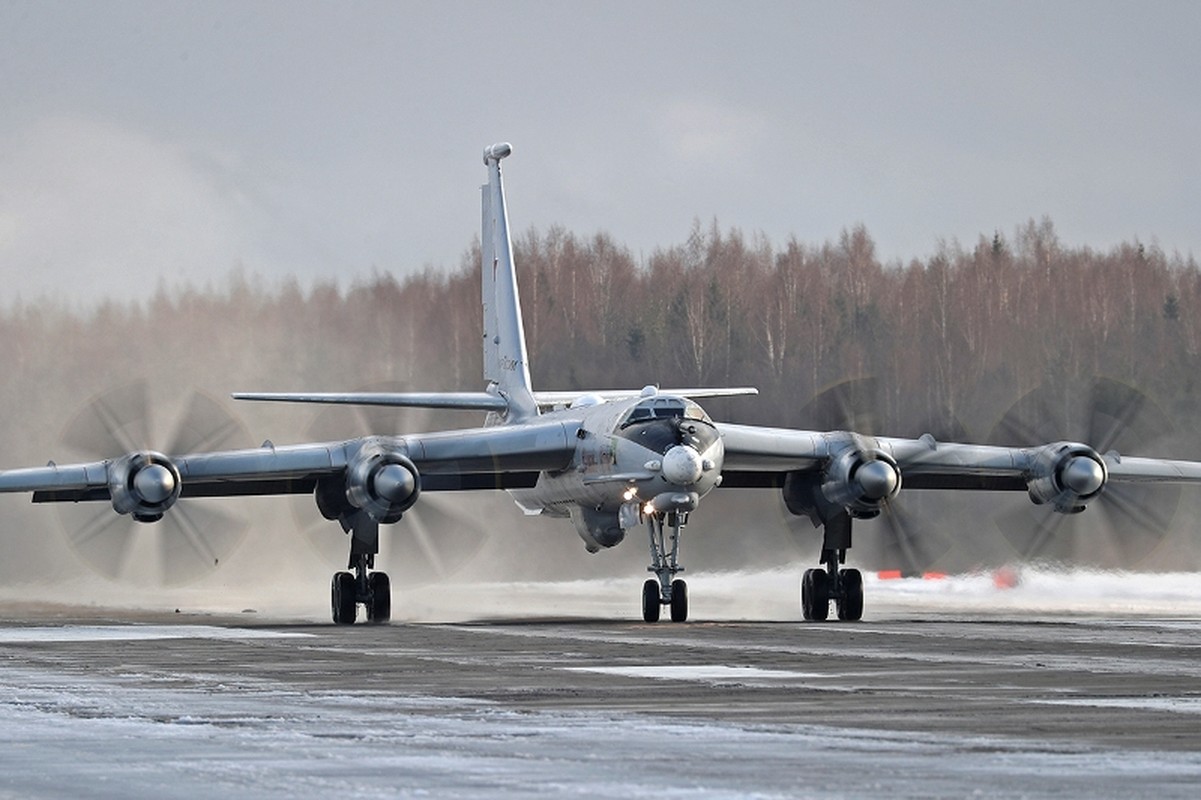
[679,601]
[379,600]
[650,600]
[850,602]
[817,590]
[344,598]
[815,595]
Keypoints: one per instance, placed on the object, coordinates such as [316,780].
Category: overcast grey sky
[148,142]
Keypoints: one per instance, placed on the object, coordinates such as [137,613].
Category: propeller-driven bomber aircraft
[610,461]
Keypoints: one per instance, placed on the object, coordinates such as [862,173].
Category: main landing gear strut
[665,589]
[844,586]
[372,589]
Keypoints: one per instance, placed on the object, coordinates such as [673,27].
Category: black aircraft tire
[343,601]
[650,601]
[850,605]
[679,601]
[815,596]
[379,609]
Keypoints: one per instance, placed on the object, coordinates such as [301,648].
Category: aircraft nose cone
[154,483]
[1083,476]
[682,465]
[394,483]
[876,479]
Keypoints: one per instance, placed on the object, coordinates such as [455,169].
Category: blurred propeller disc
[1127,522]
[851,405]
[194,536]
[911,540]
[434,539]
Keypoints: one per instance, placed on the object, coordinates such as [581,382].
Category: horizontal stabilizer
[550,399]
[464,401]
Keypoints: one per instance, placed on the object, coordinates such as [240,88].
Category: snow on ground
[773,595]
[753,595]
[109,739]
[157,737]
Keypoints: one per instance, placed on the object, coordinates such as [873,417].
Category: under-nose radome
[682,465]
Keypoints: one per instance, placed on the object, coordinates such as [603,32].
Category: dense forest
[829,334]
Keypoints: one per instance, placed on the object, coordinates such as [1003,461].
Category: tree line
[942,344]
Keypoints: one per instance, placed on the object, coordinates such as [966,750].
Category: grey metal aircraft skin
[610,461]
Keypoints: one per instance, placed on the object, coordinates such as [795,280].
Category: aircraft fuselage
[657,453]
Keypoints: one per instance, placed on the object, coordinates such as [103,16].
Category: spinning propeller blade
[911,540]
[1128,521]
[434,539]
[193,537]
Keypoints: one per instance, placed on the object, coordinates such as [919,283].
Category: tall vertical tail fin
[506,363]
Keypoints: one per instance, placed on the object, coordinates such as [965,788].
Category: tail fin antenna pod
[506,363]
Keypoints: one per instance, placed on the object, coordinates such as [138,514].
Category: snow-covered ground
[180,736]
[106,738]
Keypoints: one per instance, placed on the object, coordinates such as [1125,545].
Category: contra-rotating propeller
[1127,522]
[435,538]
[193,536]
[911,540]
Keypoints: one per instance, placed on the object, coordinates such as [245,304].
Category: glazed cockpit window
[664,408]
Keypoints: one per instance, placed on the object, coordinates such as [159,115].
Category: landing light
[629,494]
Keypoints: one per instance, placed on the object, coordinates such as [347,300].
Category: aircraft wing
[491,457]
[761,456]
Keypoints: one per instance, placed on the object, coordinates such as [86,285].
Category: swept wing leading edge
[284,470]
[929,464]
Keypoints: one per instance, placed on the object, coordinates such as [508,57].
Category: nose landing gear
[667,589]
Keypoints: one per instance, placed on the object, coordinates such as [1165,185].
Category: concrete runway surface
[928,697]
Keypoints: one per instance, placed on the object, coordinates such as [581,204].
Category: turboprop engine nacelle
[382,482]
[1067,475]
[861,481]
[143,484]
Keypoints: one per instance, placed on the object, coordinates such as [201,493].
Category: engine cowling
[382,482]
[861,481]
[1067,475]
[144,484]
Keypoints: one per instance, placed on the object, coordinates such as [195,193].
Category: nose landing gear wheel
[650,600]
